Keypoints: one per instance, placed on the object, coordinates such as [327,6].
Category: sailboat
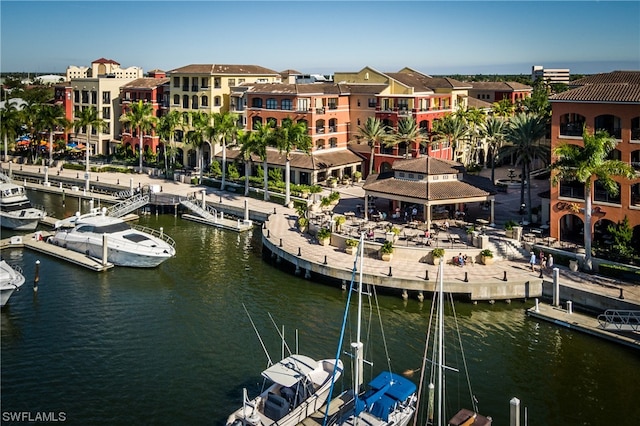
[436,401]
[388,399]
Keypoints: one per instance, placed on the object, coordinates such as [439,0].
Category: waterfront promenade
[409,272]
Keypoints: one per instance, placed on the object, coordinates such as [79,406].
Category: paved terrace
[407,268]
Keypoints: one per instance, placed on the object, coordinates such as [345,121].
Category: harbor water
[173,345]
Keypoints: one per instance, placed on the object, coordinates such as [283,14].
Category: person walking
[532,260]
[550,261]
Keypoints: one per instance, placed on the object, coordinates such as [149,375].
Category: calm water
[173,345]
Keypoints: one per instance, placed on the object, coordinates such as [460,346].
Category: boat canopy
[290,370]
[386,390]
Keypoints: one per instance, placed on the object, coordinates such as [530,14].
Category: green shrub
[387,247]
[486,253]
[619,271]
[508,226]
[437,252]
[324,233]
[302,222]
[340,220]
[350,242]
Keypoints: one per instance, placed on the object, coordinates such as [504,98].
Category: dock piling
[390,274]
[36,278]
[426,275]
[504,278]
[466,277]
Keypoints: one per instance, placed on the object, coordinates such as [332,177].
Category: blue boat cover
[386,390]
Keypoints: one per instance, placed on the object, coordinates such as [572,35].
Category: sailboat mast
[357,346]
[440,342]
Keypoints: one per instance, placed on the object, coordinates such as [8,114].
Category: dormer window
[401,174]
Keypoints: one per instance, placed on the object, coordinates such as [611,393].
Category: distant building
[549,75]
[103,68]
[495,91]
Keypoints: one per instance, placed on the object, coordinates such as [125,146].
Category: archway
[572,229]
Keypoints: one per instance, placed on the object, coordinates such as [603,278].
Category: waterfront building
[609,101]
[550,75]
[407,93]
[153,89]
[207,88]
[323,107]
[496,91]
[98,87]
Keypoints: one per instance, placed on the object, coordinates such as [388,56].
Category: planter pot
[303,229]
[324,241]
[508,233]
[351,250]
[573,265]
[386,256]
[486,260]
[436,260]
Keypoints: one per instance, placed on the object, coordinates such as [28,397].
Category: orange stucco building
[609,101]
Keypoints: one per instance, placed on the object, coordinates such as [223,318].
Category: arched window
[217,101]
[333,142]
[610,123]
[194,102]
[333,125]
[176,99]
[185,101]
[320,144]
[205,101]
[571,124]
[255,120]
[319,126]
[635,129]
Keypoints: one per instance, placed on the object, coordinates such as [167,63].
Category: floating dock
[38,243]
[237,225]
[584,323]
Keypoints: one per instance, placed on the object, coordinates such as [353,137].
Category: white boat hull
[11,279]
[19,223]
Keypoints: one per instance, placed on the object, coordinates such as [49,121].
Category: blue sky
[434,37]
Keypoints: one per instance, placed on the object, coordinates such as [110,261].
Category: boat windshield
[112,229]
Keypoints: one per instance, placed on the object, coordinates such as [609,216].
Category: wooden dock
[584,323]
[237,225]
[40,245]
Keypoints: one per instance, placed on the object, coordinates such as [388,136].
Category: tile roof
[504,86]
[212,69]
[629,77]
[300,160]
[618,93]
[362,88]
[428,166]
[478,103]
[146,83]
[296,89]
[428,191]
[105,61]
[424,83]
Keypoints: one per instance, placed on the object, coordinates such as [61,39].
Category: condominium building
[103,67]
[207,88]
[609,101]
[406,93]
[496,91]
[550,75]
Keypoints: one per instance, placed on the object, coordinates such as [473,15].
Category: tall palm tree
[140,117]
[30,116]
[503,108]
[225,128]
[246,140]
[375,133]
[10,123]
[454,130]
[408,133]
[201,125]
[524,133]
[475,118]
[167,125]
[264,137]
[583,164]
[492,130]
[291,136]
[52,117]
[88,119]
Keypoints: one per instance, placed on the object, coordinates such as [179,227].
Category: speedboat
[16,211]
[11,279]
[299,386]
[133,246]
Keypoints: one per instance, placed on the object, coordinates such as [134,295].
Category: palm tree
[246,140]
[475,119]
[225,129]
[408,133]
[264,137]
[88,119]
[375,133]
[503,108]
[582,164]
[140,117]
[492,130]
[291,136]
[10,123]
[454,130]
[524,132]
[201,122]
[30,118]
[51,117]
[167,126]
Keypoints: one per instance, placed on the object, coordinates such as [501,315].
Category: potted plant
[303,224]
[508,228]
[386,251]
[334,198]
[332,182]
[486,256]
[351,246]
[437,254]
[357,176]
[324,236]
[339,220]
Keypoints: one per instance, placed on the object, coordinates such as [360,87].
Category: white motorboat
[16,211]
[126,245]
[299,386]
[11,279]
[388,399]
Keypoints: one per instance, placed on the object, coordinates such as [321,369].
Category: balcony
[319,129]
[319,110]
[333,129]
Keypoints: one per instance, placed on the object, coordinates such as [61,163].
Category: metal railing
[128,205]
[156,233]
[620,319]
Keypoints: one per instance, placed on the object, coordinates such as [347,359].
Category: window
[358,102]
[232,82]
[272,103]
[287,105]
[204,83]
[256,103]
[194,102]
[185,101]
[303,104]
[205,101]
[176,99]
[333,142]
[106,113]
[106,97]
[601,194]
[176,81]
[216,101]
[320,144]
[85,97]
[332,103]
[372,102]
[185,84]
[127,96]
[240,80]
[216,83]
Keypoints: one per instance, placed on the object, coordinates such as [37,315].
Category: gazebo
[432,185]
